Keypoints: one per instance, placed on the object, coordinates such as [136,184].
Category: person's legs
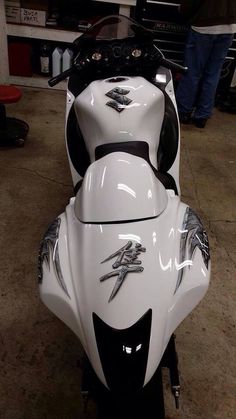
[197,52]
[211,76]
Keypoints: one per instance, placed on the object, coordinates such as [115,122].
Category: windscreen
[115,27]
[115,45]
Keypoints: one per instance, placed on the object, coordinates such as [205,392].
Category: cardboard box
[13,14]
[33,17]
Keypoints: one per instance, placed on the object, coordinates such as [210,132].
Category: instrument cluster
[117,53]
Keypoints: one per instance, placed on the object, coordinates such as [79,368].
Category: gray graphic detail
[193,236]
[123,100]
[115,105]
[49,246]
[127,260]
[120,101]
[120,91]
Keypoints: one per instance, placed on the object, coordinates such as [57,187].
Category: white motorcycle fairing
[124,287]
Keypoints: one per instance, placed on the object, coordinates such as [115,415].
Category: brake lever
[172,65]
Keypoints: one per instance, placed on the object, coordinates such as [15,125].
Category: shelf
[123,2]
[39,32]
[45,33]
[36,81]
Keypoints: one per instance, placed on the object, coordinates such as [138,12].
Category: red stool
[12,131]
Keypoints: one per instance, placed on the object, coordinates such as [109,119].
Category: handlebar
[160,60]
[62,76]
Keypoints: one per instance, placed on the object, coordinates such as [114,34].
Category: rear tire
[149,403]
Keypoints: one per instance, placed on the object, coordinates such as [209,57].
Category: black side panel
[169,138]
[124,353]
[78,186]
[77,84]
[136,148]
[76,145]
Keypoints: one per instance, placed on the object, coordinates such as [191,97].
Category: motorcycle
[127,261]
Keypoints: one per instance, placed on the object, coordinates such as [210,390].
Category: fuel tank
[120,109]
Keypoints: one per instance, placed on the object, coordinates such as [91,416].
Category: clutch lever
[62,76]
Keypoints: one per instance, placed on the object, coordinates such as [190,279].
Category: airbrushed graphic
[193,236]
[127,260]
[49,246]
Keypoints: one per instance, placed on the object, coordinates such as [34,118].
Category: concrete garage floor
[38,354]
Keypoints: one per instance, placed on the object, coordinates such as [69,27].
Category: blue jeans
[204,57]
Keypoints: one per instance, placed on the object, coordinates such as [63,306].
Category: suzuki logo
[120,101]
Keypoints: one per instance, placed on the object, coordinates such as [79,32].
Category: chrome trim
[163,3]
[127,261]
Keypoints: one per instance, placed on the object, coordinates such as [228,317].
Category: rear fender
[173,275]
